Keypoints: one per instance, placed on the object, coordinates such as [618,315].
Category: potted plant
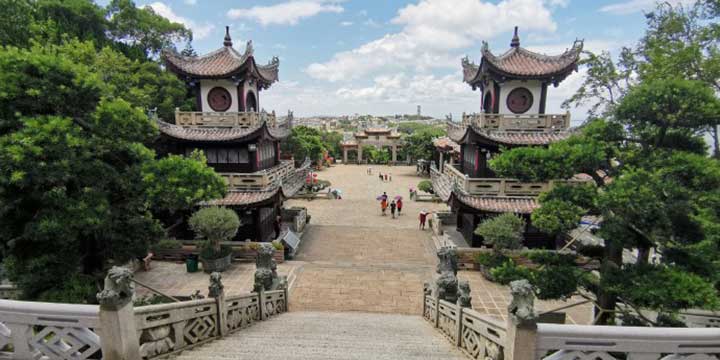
[215,225]
[503,232]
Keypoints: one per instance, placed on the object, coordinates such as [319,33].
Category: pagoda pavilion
[241,142]
[513,88]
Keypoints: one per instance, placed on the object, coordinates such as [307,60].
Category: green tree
[503,232]
[304,142]
[418,145]
[75,170]
[215,225]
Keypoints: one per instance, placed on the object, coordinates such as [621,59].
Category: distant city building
[419,112]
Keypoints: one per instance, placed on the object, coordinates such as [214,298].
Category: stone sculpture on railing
[216,286]
[522,306]
[446,283]
[266,277]
[118,289]
[464,298]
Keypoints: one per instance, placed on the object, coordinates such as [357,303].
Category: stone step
[325,335]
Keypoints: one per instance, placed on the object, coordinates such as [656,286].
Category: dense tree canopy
[79,186]
[649,191]
[418,144]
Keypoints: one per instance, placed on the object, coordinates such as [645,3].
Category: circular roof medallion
[219,99]
[519,100]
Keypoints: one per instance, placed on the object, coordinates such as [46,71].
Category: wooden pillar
[394,154]
[441,164]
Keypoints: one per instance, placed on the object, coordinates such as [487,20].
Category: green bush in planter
[509,272]
[167,244]
[426,186]
[503,232]
[555,282]
[215,225]
[490,260]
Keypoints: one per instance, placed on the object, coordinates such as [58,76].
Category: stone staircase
[325,335]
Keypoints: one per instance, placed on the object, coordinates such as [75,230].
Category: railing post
[287,297]
[458,327]
[521,323]
[261,303]
[437,311]
[216,290]
[119,339]
[502,187]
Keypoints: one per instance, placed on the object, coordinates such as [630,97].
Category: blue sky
[387,57]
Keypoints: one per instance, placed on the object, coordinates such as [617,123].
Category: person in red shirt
[423,217]
[399,206]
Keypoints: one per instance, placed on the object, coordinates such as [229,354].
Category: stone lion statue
[118,288]
[266,277]
[522,306]
[464,298]
[446,283]
[216,285]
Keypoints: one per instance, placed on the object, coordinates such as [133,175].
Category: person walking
[386,177]
[390,177]
[381,176]
[399,206]
[422,218]
[392,208]
[383,206]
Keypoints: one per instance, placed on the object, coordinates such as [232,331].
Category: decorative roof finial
[228,40]
[515,40]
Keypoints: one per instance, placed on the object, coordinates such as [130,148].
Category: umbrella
[381,197]
[398,197]
[337,191]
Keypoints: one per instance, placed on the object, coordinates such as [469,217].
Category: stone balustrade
[248,119]
[261,179]
[484,337]
[50,331]
[37,330]
[518,122]
[500,186]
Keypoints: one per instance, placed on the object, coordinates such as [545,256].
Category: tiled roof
[523,138]
[348,143]
[241,198]
[377,130]
[222,63]
[441,184]
[517,205]
[523,64]
[446,143]
[217,133]
[457,132]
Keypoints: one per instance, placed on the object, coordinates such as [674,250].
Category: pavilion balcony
[260,180]
[247,119]
[518,122]
[500,186]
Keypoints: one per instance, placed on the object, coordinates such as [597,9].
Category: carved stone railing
[478,336]
[569,342]
[36,330]
[484,337]
[261,179]
[224,119]
[518,122]
[501,186]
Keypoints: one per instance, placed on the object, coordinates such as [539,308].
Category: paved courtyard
[353,259]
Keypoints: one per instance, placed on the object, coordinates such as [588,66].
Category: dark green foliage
[502,232]
[555,281]
[509,272]
[426,186]
[215,225]
[544,257]
[491,259]
[418,144]
[304,142]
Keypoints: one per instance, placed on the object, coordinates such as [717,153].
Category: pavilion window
[243,157]
[211,155]
[222,156]
[233,157]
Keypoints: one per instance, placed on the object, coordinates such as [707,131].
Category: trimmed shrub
[509,271]
[503,232]
[215,225]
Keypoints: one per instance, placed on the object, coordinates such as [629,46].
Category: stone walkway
[331,336]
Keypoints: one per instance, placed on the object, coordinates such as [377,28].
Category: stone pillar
[344,156]
[119,338]
[216,290]
[442,162]
[521,322]
[359,157]
[394,154]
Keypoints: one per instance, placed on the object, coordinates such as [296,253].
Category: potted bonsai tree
[502,232]
[215,225]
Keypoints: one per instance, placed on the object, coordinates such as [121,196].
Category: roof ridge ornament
[515,42]
[249,48]
[227,41]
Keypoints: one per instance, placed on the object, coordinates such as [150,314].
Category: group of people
[385,177]
[394,205]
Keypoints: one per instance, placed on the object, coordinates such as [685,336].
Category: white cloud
[191,2]
[633,6]
[200,31]
[287,13]
[346,23]
[433,30]
[371,23]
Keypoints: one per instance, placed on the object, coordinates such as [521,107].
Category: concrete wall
[535,88]
[207,85]
[247,88]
